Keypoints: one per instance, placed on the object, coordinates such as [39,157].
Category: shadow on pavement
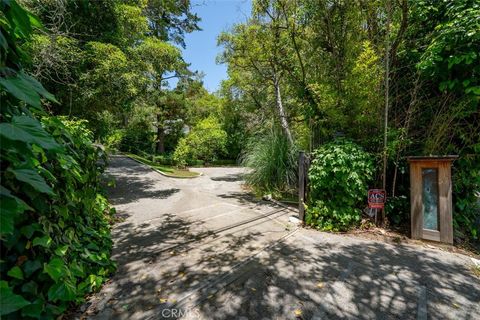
[242,197]
[177,264]
[356,281]
[329,280]
[133,184]
[230,177]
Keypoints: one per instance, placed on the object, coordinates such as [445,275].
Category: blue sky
[201,50]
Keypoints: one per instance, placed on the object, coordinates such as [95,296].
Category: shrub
[397,210]
[273,162]
[173,133]
[196,162]
[164,159]
[114,140]
[182,153]
[339,176]
[205,142]
[466,186]
[55,234]
[54,223]
[137,136]
[104,125]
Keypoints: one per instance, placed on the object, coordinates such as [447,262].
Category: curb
[159,171]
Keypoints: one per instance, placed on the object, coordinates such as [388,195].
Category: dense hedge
[339,177]
[54,229]
[55,222]
[205,142]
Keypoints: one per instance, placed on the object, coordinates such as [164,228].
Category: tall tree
[160,62]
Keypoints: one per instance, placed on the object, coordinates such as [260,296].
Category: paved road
[203,249]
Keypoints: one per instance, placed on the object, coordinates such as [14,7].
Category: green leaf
[32,178]
[22,90]
[34,21]
[16,273]
[33,310]
[39,88]
[64,291]
[30,229]
[30,287]
[10,207]
[31,266]
[3,42]
[76,269]
[42,241]
[474,90]
[11,132]
[55,268]
[9,212]
[28,130]
[60,251]
[9,301]
[35,129]
[19,18]
[26,88]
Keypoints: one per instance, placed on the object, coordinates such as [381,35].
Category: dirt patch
[399,236]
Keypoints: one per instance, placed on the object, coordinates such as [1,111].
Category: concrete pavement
[204,249]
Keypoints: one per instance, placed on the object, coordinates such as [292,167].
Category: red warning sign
[376,198]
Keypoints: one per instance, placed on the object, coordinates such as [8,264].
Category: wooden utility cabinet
[431,198]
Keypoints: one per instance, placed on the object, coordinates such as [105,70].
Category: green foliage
[55,59]
[137,136]
[327,58]
[164,159]
[132,23]
[397,210]
[170,20]
[53,215]
[339,175]
[110,83]
[364,99]
[158,57]
[201,105]
[113,142]
[10,301]
[235,125]
[54,229]
[108,55]
[466,186]
[443,115]
[183,153]
[205,142]
[273,162]
[452,57]
[105,125]
[173,134]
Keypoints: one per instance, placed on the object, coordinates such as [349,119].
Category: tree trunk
[160,136]
[281,110]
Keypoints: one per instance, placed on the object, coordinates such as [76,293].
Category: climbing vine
[54,229]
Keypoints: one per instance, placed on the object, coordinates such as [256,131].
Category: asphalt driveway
[204,249]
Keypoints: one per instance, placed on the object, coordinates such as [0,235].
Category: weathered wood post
[301,185]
